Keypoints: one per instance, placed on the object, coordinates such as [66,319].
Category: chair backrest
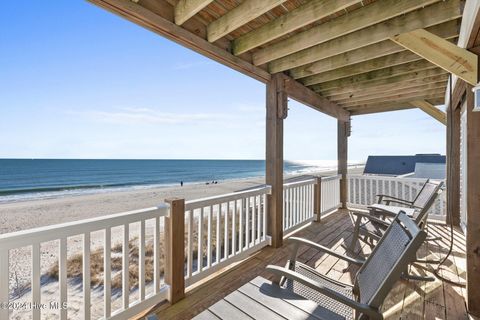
[425,199]
[389,259]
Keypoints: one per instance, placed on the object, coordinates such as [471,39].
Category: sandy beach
[23,215]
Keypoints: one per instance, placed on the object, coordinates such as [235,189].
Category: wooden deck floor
[408,299]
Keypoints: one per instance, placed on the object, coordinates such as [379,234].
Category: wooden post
[276,112]
[342,149]
[453,165]
[473,206]
[175,249]
[317,199]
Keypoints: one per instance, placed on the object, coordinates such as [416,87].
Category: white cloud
[132,115]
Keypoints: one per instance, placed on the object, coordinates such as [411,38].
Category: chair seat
[393,209]
[337,308]
[373,229]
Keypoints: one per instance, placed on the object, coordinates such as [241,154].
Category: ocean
[28,179]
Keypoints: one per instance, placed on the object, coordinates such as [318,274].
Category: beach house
[343,58]
[429,166]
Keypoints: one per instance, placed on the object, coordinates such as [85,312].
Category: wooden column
[276,113]
[453,165]
[473,206]
[175,249]
[317,199]
[342,149]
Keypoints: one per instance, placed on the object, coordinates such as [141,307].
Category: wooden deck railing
[61,233]
[200,237]
[362,191]
[330,194]
[298,204]
[223,229]
[307,200]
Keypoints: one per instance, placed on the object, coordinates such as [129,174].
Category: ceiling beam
[431,110]
[156,23]
[383,108]
[389,106]
[362,67]
[302,94]
[304,15]
[444,54]
[185,9]
[378,74]
[429,16]
[416,77]
[388,93]
[429,94]
[447,30]
[383,89]
[357,19]
[438,90]
[237,17]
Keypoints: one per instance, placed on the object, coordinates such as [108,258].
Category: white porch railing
[330,194]
[298,198]
[223,229]
[362,191]
[87,229]
[219,231]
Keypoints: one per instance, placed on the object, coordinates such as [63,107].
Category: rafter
[447,30]
[425,83]
[444,54]
[438,90]
[429,16]
[370,65]
[431,110]
[185,9]
[429,94]
[415,77]
[389,106]
[235,18]
[308,13]
[358,19]
[379,74]
[382,108]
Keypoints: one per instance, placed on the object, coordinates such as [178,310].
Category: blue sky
[79,82]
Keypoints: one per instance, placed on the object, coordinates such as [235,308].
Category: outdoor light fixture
[476,93]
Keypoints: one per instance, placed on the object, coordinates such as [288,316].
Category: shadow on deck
[407,300]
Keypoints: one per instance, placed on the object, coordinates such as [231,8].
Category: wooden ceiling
[343,50]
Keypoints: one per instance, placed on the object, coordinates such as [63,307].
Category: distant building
[417,166]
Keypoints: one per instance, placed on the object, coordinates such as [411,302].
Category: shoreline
[28,214]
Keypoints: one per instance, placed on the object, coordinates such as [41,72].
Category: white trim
[287,233]
[198,276]
[205,202]
[54,232]
[139,306]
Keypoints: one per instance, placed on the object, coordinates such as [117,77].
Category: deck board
[408,299]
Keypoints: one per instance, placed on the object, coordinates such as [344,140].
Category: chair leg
[355,235]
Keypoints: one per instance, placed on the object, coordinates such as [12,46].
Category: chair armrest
[387,198]
[363,308]
[315,245]
[368,216]
[374,211]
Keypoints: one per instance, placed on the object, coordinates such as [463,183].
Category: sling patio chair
[373,281]
[371,225]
